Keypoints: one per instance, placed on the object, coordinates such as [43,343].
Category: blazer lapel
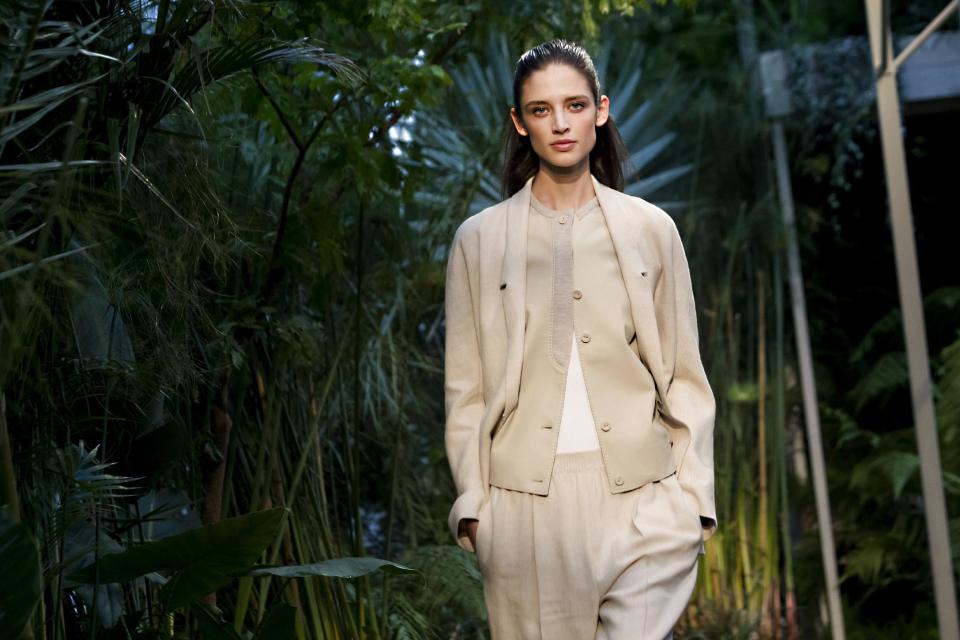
[513,285]
[638,276]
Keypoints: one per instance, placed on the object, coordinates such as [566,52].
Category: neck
[563,189]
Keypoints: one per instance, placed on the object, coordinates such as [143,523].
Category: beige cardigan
[485,302]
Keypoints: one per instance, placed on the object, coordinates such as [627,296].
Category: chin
[565,161]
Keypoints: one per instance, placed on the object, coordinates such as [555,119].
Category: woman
[579,419]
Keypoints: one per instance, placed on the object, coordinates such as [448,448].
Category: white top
[578,432]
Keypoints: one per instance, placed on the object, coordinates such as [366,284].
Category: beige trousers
[582,563]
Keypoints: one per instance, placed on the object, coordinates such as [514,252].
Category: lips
[563,145]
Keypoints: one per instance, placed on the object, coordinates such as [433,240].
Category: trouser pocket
[664,517]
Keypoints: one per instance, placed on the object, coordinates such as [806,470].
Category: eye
[537,110]
[579,105]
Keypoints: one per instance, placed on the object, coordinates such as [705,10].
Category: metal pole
[773,71]
[808,385]
[935,24]
[911,304]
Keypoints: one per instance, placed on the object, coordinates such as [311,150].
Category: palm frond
[461,139]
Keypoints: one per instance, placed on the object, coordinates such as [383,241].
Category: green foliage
[452,580]
[948,407]
[201,560]
[211,624]
[623,7]
[460,139]
[877,501]
[21,583]
[337,568]
[208,219]
[279,623]
[720,624]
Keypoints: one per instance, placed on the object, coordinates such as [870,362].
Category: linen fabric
[583,563]
[653,434]
[554,247]
[574,283]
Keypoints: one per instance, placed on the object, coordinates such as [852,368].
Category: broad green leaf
[20,580]
[201,560]
[336,568]
[646,186]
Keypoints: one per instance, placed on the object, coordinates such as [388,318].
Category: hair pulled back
[520,161]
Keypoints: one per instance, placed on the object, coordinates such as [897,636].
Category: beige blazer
[485,318]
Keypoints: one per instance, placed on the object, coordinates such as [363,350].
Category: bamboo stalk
[221,424]
[355,425]
[789,600]
[745,564]
[308,584]
[271,407]
[244,591]
[763,534]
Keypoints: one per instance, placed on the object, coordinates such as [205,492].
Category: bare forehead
[555,82]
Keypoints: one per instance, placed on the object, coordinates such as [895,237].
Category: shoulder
[644,211]
[487,220]
[650,222]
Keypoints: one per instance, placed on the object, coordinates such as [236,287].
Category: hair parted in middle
[520,162]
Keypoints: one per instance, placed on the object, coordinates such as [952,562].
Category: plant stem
[8,478]
[221,424]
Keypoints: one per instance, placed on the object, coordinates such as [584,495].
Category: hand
[471,526]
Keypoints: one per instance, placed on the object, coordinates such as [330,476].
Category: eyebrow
[537,102]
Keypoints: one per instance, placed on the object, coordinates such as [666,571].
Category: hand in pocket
[472,532]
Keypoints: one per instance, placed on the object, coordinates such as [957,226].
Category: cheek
[589,133]
[539,135]
[589,128]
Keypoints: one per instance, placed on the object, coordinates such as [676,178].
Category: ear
[517,124]
[603,111]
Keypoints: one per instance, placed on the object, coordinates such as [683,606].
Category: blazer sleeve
[689,400]
[463,392]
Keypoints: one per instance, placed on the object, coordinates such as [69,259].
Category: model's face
[559,115]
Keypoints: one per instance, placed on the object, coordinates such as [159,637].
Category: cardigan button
[585,337]
[605,426]
[562,219]
[618,481]
[577,294]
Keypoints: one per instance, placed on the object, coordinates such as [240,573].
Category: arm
[690,403]
[463,394]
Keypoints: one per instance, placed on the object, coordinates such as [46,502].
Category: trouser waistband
[577,461]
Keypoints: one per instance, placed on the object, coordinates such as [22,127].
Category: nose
[560,122]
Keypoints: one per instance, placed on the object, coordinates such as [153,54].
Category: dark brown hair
[520,162]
